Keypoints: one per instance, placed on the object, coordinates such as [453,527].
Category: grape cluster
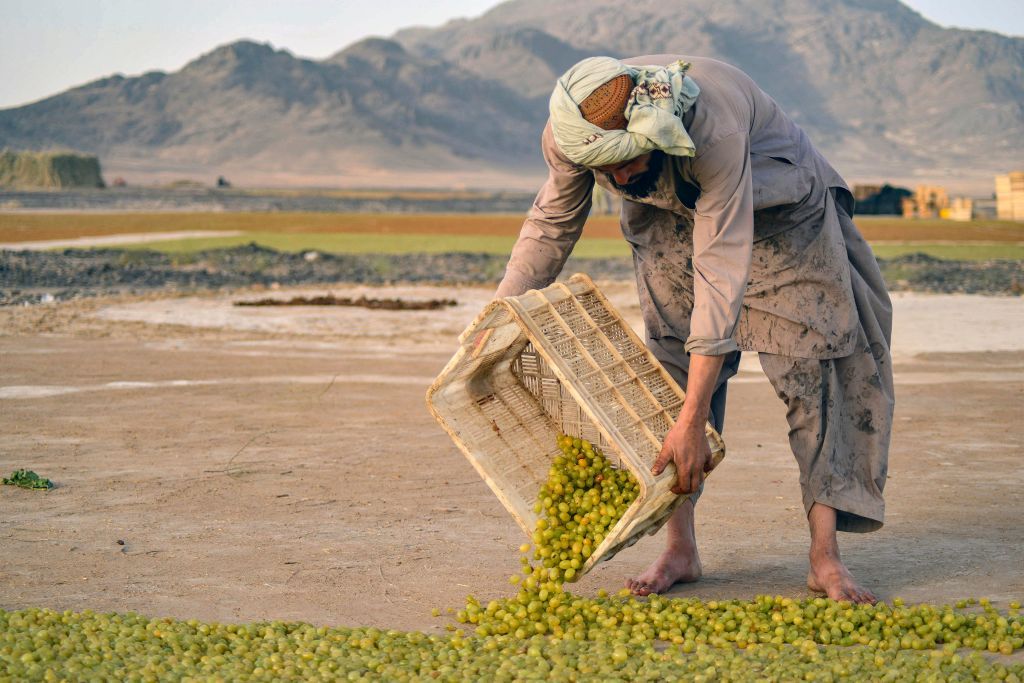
[44,645]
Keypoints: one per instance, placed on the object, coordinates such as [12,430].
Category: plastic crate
[561,359]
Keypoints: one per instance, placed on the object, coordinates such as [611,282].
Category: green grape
[44,645]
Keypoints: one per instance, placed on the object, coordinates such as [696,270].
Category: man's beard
[642,185]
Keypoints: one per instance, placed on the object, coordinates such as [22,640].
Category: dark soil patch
[30,277]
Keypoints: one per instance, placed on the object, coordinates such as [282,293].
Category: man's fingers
[662,462]
[696,480]
[687,483]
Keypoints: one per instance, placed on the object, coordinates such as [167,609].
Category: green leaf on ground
[27,479]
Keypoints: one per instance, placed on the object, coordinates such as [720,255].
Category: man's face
[637,177]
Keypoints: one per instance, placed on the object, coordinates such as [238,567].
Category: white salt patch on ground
[923,323]
[108,240]
[956,323]
[362,327]
[31,391]
[44,391]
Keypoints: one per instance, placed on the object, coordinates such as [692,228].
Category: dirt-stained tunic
[749,246]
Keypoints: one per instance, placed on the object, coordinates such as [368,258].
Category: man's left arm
[723,236]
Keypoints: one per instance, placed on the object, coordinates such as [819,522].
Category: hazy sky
[47,46]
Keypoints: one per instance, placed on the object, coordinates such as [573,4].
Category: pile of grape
[766,620]
[583,498]
[43,645]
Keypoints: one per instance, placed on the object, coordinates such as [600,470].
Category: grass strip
[26,226]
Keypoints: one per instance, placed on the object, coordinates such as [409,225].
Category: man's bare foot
[671,568]
[680,562]
[828,574]
[831,577]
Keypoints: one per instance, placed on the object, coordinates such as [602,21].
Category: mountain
[884,93]
[249,111]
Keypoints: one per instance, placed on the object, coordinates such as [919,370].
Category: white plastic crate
[561,360]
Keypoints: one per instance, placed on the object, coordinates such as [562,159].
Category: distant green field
[481,233]
[588,247]
[953,252]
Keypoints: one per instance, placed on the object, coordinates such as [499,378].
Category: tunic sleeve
[553,224]
[723,237]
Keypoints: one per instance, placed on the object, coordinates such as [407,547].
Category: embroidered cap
[606,106]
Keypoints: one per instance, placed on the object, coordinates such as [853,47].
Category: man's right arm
[553,224]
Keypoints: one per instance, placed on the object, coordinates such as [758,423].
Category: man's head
[604,112]
[605,108]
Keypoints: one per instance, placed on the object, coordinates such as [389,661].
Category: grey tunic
[755,175]
[749,245]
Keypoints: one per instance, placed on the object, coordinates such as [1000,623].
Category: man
[742,240]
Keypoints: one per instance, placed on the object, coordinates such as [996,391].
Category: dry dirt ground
[280,464]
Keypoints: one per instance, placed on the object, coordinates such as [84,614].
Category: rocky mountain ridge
[884,93]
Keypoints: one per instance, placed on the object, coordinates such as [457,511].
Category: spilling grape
[582,500]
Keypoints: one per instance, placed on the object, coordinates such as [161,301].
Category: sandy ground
[280,464]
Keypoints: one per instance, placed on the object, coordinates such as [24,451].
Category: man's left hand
[687,446]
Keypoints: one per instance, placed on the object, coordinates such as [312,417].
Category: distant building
[928,201]
[1010,196]
[879,199]
[985,208]
[862,191]
[961,209]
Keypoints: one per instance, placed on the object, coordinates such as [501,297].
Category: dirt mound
[362,302]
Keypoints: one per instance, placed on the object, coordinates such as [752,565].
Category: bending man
[742,240]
